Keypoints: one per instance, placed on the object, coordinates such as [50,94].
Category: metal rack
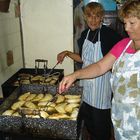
[37,65]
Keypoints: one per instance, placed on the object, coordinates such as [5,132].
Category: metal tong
[45,90]
[51,70]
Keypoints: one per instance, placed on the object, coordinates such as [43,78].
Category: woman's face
[93,21]
[132,27]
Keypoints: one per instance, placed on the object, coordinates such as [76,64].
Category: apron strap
[123,52]
[99,35]
[87,34]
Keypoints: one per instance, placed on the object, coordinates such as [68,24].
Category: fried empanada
[58,116]
[44,114]
[50,109]
[47,97]
[17,105]
[69,108]
[61,108]
[8,112]
[24,96]
[60,99]
[77,100]
[72,96]
[51,104]
[74,114]
[52,82]
[32,116]
[36,78]
[38,97]
[42,103]
[30,97]
[48,79]
[30,105]
[16,114]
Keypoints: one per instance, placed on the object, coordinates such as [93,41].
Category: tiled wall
[10,40]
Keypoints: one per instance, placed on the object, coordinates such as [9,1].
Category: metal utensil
[37,62]
[51,70]
[55,95]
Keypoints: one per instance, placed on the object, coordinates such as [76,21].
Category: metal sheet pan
[8,86]
[61,129]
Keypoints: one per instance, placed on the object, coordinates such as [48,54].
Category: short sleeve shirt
[120,46]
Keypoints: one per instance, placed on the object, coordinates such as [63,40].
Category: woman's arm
[76,57]
[91,71]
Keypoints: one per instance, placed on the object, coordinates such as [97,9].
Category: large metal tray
[60,129]
[8,86]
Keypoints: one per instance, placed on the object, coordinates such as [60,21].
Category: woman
[124,60]
[95,42]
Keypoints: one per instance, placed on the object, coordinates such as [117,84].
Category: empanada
[30,105]
[60,99]
[44,114]
[30,97]
[69,108]
[38,97]
[8,112]
[16,114]
[42,103]
[17,105]
[58,116]
[76,100]
[61,107]
[24,96]
[47,97]
[72,96]
[74,114]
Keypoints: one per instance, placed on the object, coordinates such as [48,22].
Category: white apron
[97,91]
[125,81]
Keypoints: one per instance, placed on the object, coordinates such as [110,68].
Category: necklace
[95,34]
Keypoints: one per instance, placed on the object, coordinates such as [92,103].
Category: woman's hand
[66,83]
[61,56]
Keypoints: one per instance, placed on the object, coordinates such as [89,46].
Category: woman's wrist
[67,53]
[76,75]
